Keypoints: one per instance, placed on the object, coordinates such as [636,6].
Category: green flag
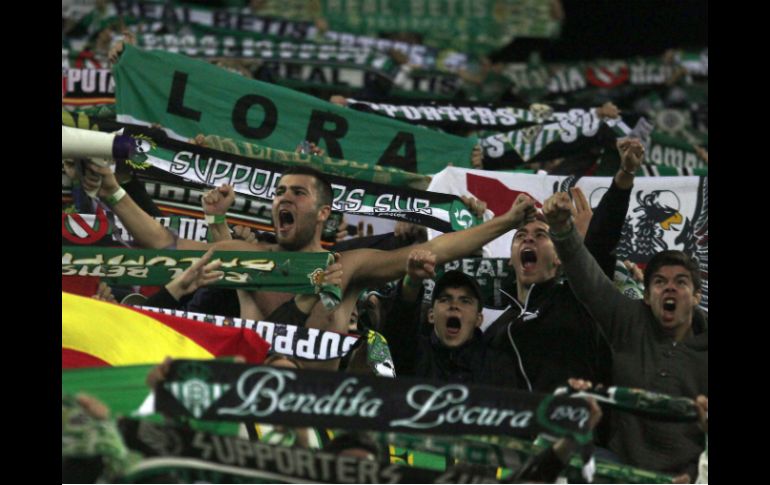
[189,97]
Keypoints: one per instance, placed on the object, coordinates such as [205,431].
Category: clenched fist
[217,201]
[522,211]
[558,212]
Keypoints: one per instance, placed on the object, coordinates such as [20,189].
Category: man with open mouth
[546,331]
[660,343]
[453,349]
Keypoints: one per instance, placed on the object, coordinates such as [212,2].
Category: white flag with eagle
[664,212]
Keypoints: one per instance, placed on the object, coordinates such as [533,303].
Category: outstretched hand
[702,406]
[314,150]
[200,273]
[117,49]
[104,293]
[608,110]
[581,210]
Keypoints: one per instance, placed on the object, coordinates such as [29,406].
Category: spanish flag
[97,333]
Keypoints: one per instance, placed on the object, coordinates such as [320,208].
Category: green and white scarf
[259,179]
[571,134]
[83,436]
[197,456]
[294,272]
[641,402]
[461,115]
[332,166]
[238,392]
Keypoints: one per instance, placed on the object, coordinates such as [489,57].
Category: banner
[291,272]
[332,166]
[107,230]
[664,212]
[492,275]
[96,333]
[465,115]
[564,78]
[268,25]
[570,135]
[323,399]
[673,152]
[652,405]
[188,97]
[193,456]
[504,453]
[84,86]
[475,27]
[259,179]
[299,342]
[344,168]
[122,388]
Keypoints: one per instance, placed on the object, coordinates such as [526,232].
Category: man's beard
[302,238]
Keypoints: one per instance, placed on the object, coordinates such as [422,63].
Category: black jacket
[554,339]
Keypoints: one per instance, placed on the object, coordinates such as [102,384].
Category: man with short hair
[453,350]
[660,343]
[546,331]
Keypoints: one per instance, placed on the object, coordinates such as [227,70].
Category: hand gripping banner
[274,271]
[259,178]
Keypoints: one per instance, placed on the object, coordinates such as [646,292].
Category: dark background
[618,29]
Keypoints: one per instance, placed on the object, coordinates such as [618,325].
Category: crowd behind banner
[343,242]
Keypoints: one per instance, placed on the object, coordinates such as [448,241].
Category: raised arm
[606,226]
[146,231]
[401,325]
[609,307]
[379,267]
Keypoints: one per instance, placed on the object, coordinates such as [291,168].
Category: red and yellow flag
[97,333]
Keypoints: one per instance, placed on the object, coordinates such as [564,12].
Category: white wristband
[115,197]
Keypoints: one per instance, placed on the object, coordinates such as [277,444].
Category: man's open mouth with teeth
[285,220]
[453,326]
[528,258]
[669,304]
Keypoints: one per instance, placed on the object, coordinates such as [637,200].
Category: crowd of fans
[567,319]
